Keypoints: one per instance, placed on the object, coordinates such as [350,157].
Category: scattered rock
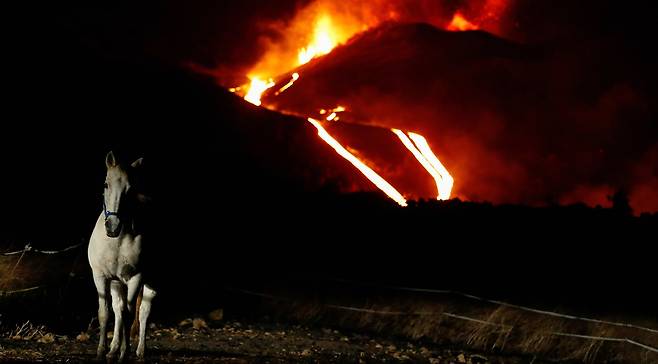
[175,334]
[82,337]
[216,315]
[461,358]
[186,322]
[199,324]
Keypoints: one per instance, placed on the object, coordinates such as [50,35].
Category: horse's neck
[131,226]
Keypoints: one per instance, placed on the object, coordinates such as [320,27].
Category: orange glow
[314,31]
[303,43]
[445,188]
[321,25]
[428,160]
[423,161]
[333,113]
[323,41]
[459,23]
[256,89]
[381,183]
[295,77]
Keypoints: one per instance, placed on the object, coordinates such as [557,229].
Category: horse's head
[118,197]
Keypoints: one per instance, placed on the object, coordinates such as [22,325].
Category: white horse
[114,254]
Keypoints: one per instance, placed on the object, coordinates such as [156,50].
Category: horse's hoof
[122,357]
[100,354]
[140,353]
[110,357]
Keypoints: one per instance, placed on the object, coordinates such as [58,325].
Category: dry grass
[495,329]
[28,331]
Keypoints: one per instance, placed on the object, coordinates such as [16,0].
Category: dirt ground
[195,341]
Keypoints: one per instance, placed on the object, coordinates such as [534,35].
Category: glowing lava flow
[367,171]
[256,90]
[295,77]
[423,161]
[333,116]
[428,160]
[447,181]
[323,42]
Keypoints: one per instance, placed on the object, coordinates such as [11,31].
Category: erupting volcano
[325,37]
[451,83]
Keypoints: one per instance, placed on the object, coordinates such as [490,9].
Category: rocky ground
[196,341]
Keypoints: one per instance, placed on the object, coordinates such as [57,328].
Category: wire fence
[21,254]
[625,340]
[29,248]
[504,304]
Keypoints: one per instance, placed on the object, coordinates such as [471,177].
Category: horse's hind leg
[134,286]
[103,289]
[144,311]
[119,308]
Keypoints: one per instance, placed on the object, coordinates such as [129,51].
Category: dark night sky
[217,33]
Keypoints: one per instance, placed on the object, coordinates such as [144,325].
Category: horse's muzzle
[112,226]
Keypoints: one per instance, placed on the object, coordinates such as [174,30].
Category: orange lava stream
[381,183]
[445,188]
[423,161]
[295,77]
[256,90]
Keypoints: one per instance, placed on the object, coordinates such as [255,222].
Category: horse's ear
[110,160]
[137,163]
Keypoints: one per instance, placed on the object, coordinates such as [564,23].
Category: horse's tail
[134,329]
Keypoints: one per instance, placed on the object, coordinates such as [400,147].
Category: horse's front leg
[103,289]
[119,308]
